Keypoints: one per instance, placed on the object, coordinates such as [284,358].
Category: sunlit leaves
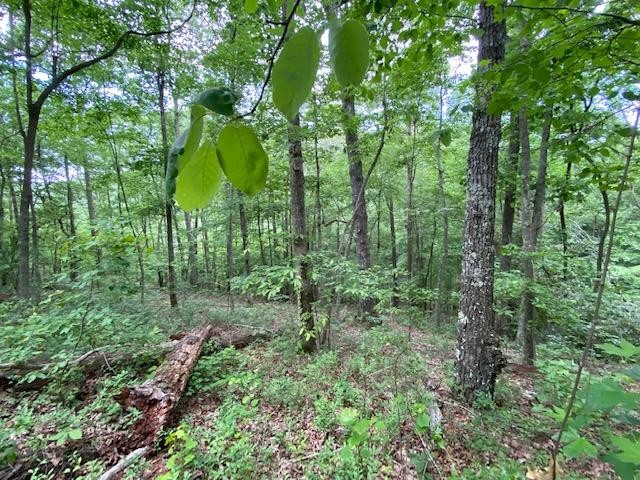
[199,179]
[242,158]
[219,100]
[183,148]
[295,71]
[349,52]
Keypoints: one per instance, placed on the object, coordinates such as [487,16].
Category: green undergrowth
[377,404]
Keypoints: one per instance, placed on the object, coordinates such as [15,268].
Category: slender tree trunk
[91,210]
[244,233]
[525,327]
[263,258]
[3,254]
[318,205]
[443,294]
[394,249]
[359,203]
[508,211]
[36,277]
[564,234]
[73,270]
[168,210]
[205,246]
[541,179]
[603,236]
[478,356]
[411,220]
[230,272]
[308,333]
[192,241]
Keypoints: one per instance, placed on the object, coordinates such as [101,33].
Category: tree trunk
[168,210]
[508,212]
[244,233]
[318,205]
[358,200]
[230,272]
[263,258]
[478,356]
[73,266]
[411,220]
[525,327]
[91,210]
[603,237]
[394,249]
[443,294]
[36,277]
[29,142]
[192,240]
[563,223]
[308,333]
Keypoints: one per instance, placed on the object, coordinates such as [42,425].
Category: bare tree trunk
[36,277]
[91,210]
[205,245]
[525,328]
[508,211]
[263,258]
[168,210]
[308,333]
[478,356]
[318,205]
[394,249]
[603,236]
[244,233]
[192,241]
[230,272]
[359,203]
[443,294]
[563,223]
[411,219]
[73,264]
[3,254]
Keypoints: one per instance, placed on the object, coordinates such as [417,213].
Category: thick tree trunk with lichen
[478,356]
[300,238]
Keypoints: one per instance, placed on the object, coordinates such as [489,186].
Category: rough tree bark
[308,334]
[478,356]
[358,201]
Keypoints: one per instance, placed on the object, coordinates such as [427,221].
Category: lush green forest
[321,239]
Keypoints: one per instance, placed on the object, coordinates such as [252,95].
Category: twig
[255,327]
[124,463]
[272,59]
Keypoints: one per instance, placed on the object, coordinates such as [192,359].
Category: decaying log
[157,398]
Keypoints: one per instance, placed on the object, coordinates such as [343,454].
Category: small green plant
[182,453]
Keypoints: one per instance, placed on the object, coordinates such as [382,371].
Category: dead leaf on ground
[552,472]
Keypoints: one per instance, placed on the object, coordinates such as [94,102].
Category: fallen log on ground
[11,373]
[157,398]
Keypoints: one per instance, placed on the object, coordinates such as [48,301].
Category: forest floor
[376,404]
